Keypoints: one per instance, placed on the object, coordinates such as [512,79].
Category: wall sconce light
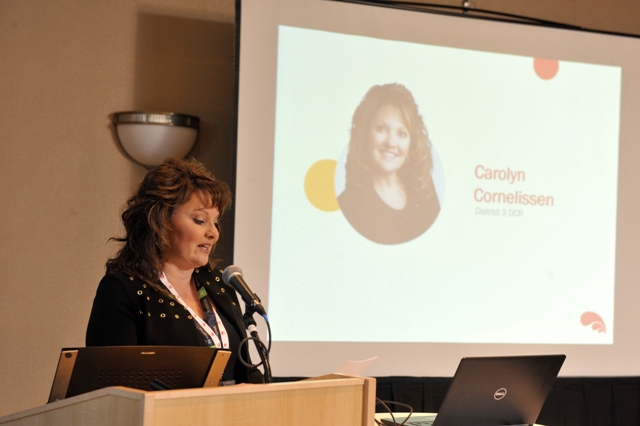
[150,137]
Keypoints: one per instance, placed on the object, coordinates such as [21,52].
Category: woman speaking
[389,194]
[162,287]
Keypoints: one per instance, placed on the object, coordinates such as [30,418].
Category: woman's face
[194,231]
[389,139]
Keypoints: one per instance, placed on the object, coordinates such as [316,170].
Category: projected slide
[431,194]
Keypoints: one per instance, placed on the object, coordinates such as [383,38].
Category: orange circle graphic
[546,68]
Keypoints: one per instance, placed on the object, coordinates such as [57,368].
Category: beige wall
[64,67]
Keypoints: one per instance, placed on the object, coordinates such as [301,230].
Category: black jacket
[373,219]
[127,312]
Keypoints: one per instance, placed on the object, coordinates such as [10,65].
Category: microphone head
[230,271]
[250,299]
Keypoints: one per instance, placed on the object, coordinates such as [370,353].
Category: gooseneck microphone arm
[263,351]
[232,275]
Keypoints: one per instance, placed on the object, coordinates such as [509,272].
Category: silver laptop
[494,391]
[83,370]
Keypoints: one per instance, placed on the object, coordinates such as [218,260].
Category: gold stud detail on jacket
[144,285]
[208,283]
[197,271]
[139,292]
[233,303]
[131,278]
[172,304]
[177,316]
[162,315]
[190,317]
[222,290]
[217,278]
[160,301]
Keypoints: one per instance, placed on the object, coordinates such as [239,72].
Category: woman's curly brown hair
[416,173]
[147,217]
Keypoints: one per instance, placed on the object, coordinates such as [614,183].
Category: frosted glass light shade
[150,137]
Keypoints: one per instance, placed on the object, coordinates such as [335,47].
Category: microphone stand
[250,324]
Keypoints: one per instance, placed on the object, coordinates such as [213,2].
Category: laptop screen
[82,370]
[490,391]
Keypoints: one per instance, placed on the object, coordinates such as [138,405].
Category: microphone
[232,275]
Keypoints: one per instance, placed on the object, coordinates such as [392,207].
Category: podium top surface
[342,399]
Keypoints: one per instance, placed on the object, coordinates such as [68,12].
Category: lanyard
[218,339]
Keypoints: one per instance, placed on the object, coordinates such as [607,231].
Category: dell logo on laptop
[500,393]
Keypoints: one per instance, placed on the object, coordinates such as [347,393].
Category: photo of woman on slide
[389,195]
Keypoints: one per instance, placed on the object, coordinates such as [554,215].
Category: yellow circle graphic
[319,186]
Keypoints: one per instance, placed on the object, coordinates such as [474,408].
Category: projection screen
[485,203]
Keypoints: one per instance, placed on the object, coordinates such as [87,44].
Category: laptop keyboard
[415,421]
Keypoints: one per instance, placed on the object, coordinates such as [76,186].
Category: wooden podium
[328,400]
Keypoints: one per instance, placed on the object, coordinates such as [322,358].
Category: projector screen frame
[364,350]
[468,12]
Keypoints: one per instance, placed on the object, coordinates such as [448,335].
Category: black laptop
[83,370]
[494,391]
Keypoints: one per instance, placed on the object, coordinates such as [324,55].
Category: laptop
[82,370]
[494,391]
